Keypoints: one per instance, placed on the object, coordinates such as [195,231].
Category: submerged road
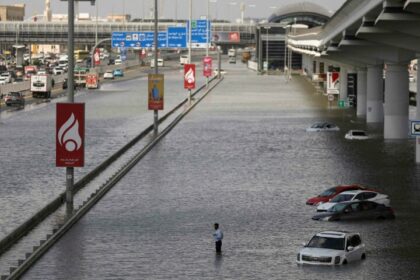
[242,158]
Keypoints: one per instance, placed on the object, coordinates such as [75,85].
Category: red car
[332,192]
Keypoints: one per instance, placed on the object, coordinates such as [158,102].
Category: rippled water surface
[243,158]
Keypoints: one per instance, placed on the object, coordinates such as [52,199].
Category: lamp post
[155,112]
[189,32]
[96,26]
[266,45]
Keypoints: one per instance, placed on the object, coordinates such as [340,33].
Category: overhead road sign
[138,39]
[177,37]
[199,35]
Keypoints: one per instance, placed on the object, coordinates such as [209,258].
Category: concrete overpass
[369,38]
[56,32]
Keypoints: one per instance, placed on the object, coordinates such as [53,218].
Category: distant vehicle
[118,62]
[58,70]
[159,61]
[92,81]
[29,71]
[330,193]
[332,248]
[355,195]
[356,135]
[183,59]
[246,55]
[14,98]
[232,52]
[322,126]
[109,75]
[42,72]
[232,59]
[356,210]
[7,76]
[80,74]
[3,80]
[111,61]
[222,72]
[41,86]
[118,73]
[80,55]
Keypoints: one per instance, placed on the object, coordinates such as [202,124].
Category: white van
[183,59]
[159,61]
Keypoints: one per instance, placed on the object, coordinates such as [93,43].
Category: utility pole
[189,33]
[155,112]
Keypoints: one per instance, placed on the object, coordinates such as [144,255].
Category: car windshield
[342,197]
[326,243]
[317,125]
[14,93]
[337,208]
[359,133]
[328,192]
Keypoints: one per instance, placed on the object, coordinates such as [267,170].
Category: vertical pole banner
[156,91]
[70,135]
[97,57]
[189,76]
[207,66]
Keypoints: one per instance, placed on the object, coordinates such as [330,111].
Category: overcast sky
[225,9]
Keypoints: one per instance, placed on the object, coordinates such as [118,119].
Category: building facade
[12,13]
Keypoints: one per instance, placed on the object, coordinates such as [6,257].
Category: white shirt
[218,235]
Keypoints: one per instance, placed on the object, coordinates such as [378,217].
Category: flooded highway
[242,158]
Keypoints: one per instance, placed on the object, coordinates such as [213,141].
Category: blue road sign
[199,35]
[138,39]
[177,37]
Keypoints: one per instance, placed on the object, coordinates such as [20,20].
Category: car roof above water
[333,234]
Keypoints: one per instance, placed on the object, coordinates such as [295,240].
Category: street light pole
[70,99]
[156,116]
[189,33]
[266,45]
[96,27]
[207,36]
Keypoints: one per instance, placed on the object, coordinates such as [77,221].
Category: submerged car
[332,248]
[356,135]
[322,126]
[109,75]
[330,193]
[357,195]
[118,73]
[356,210]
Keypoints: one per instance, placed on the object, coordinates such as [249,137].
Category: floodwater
[242,158]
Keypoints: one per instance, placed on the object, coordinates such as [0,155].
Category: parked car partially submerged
[354,210]
[356,135]
[14,98]
[332,248]
[322,126]
[330,193]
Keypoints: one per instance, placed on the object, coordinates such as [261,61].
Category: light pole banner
[333,82]
[189,76]
[70,135]
[97,57]
[156,91]
[207,66]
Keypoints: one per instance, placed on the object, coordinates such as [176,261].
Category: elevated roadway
[56,32]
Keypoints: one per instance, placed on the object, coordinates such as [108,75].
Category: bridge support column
[375,89]
[361,92]
[343,83]
[20,50]
[396,102]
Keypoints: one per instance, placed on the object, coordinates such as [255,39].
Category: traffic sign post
[200,32]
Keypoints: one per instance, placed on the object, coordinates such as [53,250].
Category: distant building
[12,13]
[119,18]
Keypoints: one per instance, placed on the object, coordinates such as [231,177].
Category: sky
[222,9]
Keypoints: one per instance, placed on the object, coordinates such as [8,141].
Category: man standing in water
[218,236]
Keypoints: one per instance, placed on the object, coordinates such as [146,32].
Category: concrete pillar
[361,92]
[343,83]
[20,50]
[375,89]
[396,102]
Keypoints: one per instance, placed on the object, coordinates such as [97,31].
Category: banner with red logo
[234,37]
[156,91]
[70,135]
[333,83]
[207,66]
[189,76]
[97,57]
